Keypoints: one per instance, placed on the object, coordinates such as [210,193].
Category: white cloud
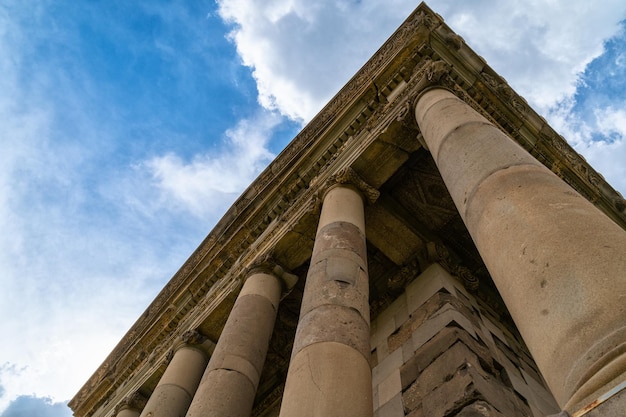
[30,405]
[540,47]
[75,269]
[600,137]
[208,184]
[301,52]
[611,121]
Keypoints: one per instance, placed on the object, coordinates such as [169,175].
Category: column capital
[193,338]
[347,176]
[437,252]
[268,265]
[135,401]
[431,74]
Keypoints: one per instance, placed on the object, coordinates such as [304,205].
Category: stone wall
[437,351]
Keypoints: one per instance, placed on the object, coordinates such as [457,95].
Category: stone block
[386,367]
[433,326]
[389,387]
[375,402]
[428,283]
[438,304]
[392,408]
[381,329]
[540,394]
[402,315]
[467,386]
[408,351]
[416,413]
[520,386]
[382,351]
[457,357]
[437,346]
[495,330]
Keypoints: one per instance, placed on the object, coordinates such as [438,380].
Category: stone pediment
[368,126]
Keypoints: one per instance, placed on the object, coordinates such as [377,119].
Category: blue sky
[128,128]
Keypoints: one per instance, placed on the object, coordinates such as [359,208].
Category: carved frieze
[135,401]
[440,254]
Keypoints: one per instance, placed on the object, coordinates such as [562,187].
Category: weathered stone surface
[329,373]
[479,409]
[392,408]
[466,386]
[513,205]
[178,384]
[328,379]
[430,351]
[128,412]
[386,367]
[430,309]
[334,323]
[231,394]
[390,387]
[229,383]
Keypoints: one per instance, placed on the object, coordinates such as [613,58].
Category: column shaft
[558,262]
[329,373]
[230,381]
[177,386]
[128,412]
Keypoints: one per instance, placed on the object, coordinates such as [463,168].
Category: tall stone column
[230,381]
[177,386]
[329,373]
[130,406]
[558,262]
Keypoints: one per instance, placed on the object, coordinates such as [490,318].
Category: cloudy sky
[128,128]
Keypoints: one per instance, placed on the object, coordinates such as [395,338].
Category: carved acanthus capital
[191,338]
[432,73]
[440,254]
[397,283]
[469,280]
[135,401]
[266,264]
[347,176]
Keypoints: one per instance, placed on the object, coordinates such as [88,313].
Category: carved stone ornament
[193,337]
[469,280]
[135,401]
[348,176]
[169,357]
[266,264]
[432,73]
[439,253]
[397,283]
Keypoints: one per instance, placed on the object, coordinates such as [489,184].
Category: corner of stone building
[438,352]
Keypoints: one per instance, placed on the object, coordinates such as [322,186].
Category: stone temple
[426,246]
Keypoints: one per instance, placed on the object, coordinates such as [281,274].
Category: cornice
[381,93]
